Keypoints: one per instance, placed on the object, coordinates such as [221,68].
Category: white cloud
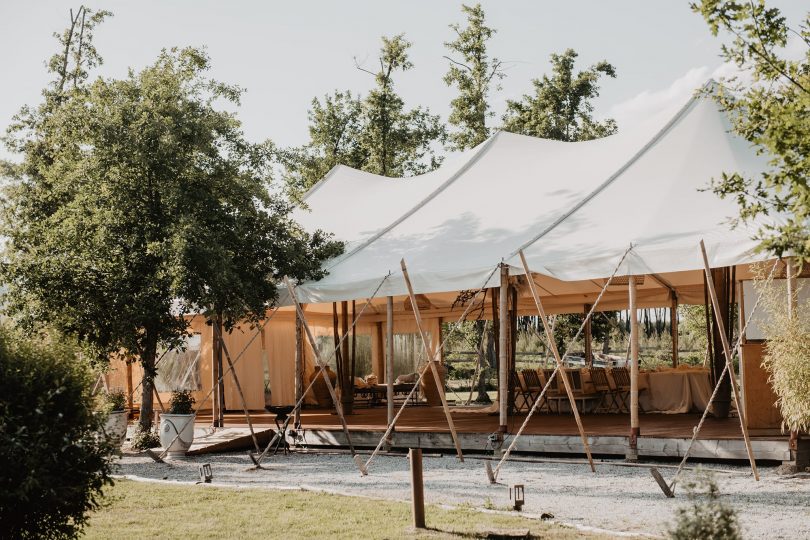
[649,102]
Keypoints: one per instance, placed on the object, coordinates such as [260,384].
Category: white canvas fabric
[573,207]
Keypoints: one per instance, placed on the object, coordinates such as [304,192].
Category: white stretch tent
[574,208]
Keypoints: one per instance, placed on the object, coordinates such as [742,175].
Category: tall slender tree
[561,107]
[473,73]
[335,126]
[397,141]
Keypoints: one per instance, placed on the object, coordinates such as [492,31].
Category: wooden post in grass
[635,430]
[417,488]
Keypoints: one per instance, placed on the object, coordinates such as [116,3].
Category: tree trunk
[722,402]
[148,356]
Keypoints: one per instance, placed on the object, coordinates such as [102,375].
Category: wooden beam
[588,337]
[563,373]
[299,368]
[663,282]
[314,346]
[503,351]
[673,328]
[792,292]
[635,430]
[389,358]
[431,359]
[729,363]
[238,390]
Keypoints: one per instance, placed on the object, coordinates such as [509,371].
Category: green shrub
[144,440]
[114,400]
[53,465]
[705,516]
[181,403]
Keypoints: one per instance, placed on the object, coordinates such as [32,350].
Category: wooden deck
[426,427]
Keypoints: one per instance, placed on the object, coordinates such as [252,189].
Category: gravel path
[615,498]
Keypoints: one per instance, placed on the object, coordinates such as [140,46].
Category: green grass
[150,510]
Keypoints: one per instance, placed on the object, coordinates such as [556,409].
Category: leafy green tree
[561,107]
[771,108]
[335,126]
[397,142]
[137,202]
[53,463]
[473,73]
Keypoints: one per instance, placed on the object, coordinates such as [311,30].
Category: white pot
[116,426]
[170,426]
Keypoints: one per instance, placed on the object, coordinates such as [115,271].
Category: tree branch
[468,68]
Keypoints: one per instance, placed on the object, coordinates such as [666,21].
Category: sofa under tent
[632,206]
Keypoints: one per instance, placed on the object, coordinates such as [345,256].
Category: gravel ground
[616,498]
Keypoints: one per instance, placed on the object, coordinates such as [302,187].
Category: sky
[284,53]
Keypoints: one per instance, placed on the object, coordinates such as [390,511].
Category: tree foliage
[473,73]
[561,107]
[335,127]
[138,201]
[771,108]
[375,133]
[53,463]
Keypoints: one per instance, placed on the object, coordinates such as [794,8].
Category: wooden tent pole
[503,351]
[214,381]
[299,368]
[553,345]
[729,363]
[673,328]
[314,346]
[389,357]
[130,391]
[635,429]
[431,358]
[588,337]
[239,391]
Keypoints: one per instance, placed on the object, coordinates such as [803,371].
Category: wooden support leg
[389,358]
[238,389]
[635,430]
[503,352]
[432,360]
[729,363]
[552,344]
[314,346]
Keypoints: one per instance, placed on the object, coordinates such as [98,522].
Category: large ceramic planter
[116,426]
[170,426]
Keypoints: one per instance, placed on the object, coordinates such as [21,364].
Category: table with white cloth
[673,391]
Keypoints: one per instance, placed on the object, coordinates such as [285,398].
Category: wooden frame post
[238,389]
[389,357]
[299,367]
[673,328]
[503,350]
[432,360]
[588,337]
[560,367]
[214,380]
[635,429]
[130,391]
[729,364]
[314,346]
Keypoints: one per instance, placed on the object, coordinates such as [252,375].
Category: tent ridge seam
[601,187]
[432,195]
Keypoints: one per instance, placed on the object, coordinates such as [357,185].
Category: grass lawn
[151,510]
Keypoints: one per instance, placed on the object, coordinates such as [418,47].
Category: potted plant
[114,406]
[177,425]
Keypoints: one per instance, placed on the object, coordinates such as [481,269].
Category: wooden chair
[577,388]
[607,394]
[621,378]
[555,392]
[522,390]
[534,386]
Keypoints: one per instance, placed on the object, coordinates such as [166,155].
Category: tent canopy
[573,207]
